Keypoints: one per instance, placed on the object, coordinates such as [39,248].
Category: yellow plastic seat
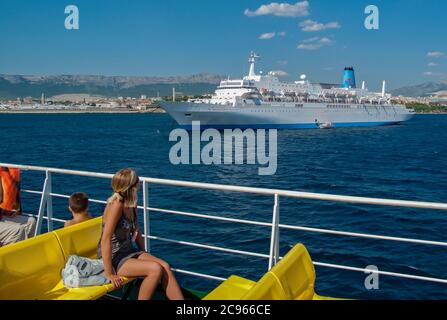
[293,278]
[268,288]
[81,239]
[60,292]
[232,289]
[296,274]
[31,269]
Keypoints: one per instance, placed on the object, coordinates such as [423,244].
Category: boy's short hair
[78,202]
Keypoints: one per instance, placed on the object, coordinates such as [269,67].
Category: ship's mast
[252,60]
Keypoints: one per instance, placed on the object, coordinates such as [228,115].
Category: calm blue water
[402,162]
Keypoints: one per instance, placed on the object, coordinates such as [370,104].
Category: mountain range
[422,90]
[13,86]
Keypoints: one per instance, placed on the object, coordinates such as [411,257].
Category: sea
[407,162]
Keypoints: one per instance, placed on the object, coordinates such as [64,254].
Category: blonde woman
[120,229]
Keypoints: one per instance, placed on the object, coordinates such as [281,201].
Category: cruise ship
[263,101]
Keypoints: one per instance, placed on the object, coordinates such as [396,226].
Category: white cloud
[315,43]
[432,64]
[282,62]
[313,26]
[435,54]
[268,35]
[310,40]
[279,73]
[299,9]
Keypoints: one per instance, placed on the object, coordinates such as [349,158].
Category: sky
[167,37]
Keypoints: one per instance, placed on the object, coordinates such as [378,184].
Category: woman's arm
[139,239]
[112,215]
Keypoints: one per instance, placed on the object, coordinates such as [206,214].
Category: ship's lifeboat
[324,125]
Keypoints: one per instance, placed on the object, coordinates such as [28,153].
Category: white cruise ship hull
[285,115]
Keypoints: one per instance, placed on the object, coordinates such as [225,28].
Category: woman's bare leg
[168,281]
[151,270]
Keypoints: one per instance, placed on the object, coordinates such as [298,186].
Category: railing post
[49,204]
[274,240]
[45,202]
[146,216]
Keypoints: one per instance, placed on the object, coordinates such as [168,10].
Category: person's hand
[115,279]
[15,213]
[9,214]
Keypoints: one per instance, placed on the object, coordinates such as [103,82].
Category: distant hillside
[13,86]
[421,90]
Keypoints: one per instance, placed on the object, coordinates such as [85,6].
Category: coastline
[60,111]
[431,113]
[112,111]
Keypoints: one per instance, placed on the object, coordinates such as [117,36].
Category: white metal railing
[275,226]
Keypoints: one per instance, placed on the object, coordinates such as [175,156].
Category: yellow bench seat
[60,292]
[31,269]
[234,288]
[293,278]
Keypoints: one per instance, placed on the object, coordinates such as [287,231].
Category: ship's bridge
[233,84]
[229,89]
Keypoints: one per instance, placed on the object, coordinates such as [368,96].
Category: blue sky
[167,37]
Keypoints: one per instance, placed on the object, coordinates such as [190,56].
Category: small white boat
[324,125]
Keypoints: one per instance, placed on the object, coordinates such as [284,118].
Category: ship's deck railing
[273,256]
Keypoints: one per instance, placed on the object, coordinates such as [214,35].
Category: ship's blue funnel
[349,78]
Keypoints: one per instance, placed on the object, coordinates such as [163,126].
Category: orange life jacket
[10,180]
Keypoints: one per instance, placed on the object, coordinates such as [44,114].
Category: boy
[78,206]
